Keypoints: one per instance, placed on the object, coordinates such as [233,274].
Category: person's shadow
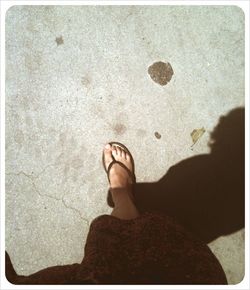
[205,193]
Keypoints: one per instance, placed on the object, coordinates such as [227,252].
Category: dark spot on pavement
[119,129]
[59,40]
[157,135]
[85,81]
[161,72]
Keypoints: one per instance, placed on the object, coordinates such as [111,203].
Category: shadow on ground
[205,193]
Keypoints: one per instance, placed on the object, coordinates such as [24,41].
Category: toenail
[107,146]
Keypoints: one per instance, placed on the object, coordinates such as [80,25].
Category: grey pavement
[76,78]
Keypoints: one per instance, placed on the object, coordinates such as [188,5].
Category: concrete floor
[77,77]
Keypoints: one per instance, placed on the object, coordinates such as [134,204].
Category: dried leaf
[196,134]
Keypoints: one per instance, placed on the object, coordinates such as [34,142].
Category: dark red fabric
[151,249]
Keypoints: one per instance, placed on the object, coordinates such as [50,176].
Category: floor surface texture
[156,78]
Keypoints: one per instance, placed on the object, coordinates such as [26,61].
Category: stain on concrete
[85,81]
[196,134]
[59,40]
[141,133]
[119,129]
[161,72]
[76,163]
[62,138]
[33,61]
[19,137]
[116,100]
[157,135]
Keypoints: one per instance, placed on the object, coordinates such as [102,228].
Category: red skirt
[151,249]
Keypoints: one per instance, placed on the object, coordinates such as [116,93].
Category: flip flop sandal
[131,173]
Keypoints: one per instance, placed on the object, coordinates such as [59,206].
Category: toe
[119,151]
[108,146]
[128,158]
[123,154]
[114,150]
[107,155]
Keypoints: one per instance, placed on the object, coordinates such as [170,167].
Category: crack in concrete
[30,175]
[46,195]
[35,177]
[19,173]
[76,210]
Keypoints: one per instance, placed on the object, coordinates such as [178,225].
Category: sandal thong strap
[130,173]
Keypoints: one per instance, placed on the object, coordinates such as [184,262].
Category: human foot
[121,171]
[119,165]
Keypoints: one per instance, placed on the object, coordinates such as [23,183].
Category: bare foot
[118,176]
[120,182]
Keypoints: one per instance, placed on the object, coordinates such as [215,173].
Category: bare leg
[120,183]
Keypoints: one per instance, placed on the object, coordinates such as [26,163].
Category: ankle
[125,215]
[125,211]
[121,189]
[121,195]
